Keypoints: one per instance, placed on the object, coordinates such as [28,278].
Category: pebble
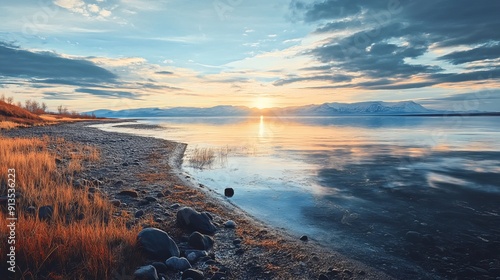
[200,241]
[194,255]
[116,202]
[304,238]
[229,192]
[177,264]
[130,193]
[147,272]
[323,277]
[139,214]
[45,213]
[230,224]
[193,274]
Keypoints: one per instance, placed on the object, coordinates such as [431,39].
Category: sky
[119,54]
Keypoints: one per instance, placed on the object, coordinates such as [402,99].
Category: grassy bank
[82,239]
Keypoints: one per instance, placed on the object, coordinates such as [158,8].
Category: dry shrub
[82,239]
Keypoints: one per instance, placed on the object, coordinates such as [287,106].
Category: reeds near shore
[82,239]
[205,157]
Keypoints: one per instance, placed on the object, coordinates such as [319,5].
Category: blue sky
[121,54]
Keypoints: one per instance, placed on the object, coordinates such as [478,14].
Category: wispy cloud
[85,9]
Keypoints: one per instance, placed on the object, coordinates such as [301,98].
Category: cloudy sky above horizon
[118,54]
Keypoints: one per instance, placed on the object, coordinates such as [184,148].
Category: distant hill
[360,108]
[16,114]
[325,109]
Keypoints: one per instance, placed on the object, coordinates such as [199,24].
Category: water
[414,196]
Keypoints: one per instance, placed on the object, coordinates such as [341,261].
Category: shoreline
[264,253]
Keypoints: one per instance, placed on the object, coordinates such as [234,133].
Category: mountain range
[325,109]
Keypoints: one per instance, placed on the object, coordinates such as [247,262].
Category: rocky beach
[189,231]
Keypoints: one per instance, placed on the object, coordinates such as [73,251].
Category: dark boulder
[157,243]
[229,192]
[189,218]
[147,272]
[193,274]
[200,241]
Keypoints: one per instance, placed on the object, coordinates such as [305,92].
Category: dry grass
[205,157]
[83,238]
[6,125]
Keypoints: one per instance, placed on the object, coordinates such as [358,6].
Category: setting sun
[262,103]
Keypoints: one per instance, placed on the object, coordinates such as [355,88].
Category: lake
[418,197]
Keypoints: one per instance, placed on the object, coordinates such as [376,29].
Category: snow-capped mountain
[379,107]
[325,109]
[221,110]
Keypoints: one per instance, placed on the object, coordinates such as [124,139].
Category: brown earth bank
[141,176]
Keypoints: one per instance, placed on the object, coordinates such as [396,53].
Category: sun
[262,102]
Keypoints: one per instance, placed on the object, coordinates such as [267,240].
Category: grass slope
[12,113]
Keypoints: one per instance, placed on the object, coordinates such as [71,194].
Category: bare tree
[10,100]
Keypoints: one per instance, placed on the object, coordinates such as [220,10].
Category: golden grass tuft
[7,125]
[83,238]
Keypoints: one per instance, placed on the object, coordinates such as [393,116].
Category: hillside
[15,114]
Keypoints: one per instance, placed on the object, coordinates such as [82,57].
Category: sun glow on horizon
[263,102]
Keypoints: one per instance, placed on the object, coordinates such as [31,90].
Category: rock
[151,199]
[413,236]
[189,218]
[323,277]
[125,164]
[45,213]
[118,184]
[219,276]
[194,255]
[200,241]
[116,202]
[144,202]
[175,206]
[240,251]
[147,272]
[130,193]
[31,210]
[92,189]
[237,241]
[160,267]
[139,214]
[160,195]
[157,243]
[229,192]
[494,272]
[177,264]
[58,161]
[304,238]
[193,274]
[230,224]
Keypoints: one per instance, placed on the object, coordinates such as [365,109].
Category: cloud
[488,51]
[113,94]
[49,67]
[401,43]
[336,78]
[81,7]
[165,72]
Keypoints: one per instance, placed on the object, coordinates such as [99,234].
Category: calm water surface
[415,196]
